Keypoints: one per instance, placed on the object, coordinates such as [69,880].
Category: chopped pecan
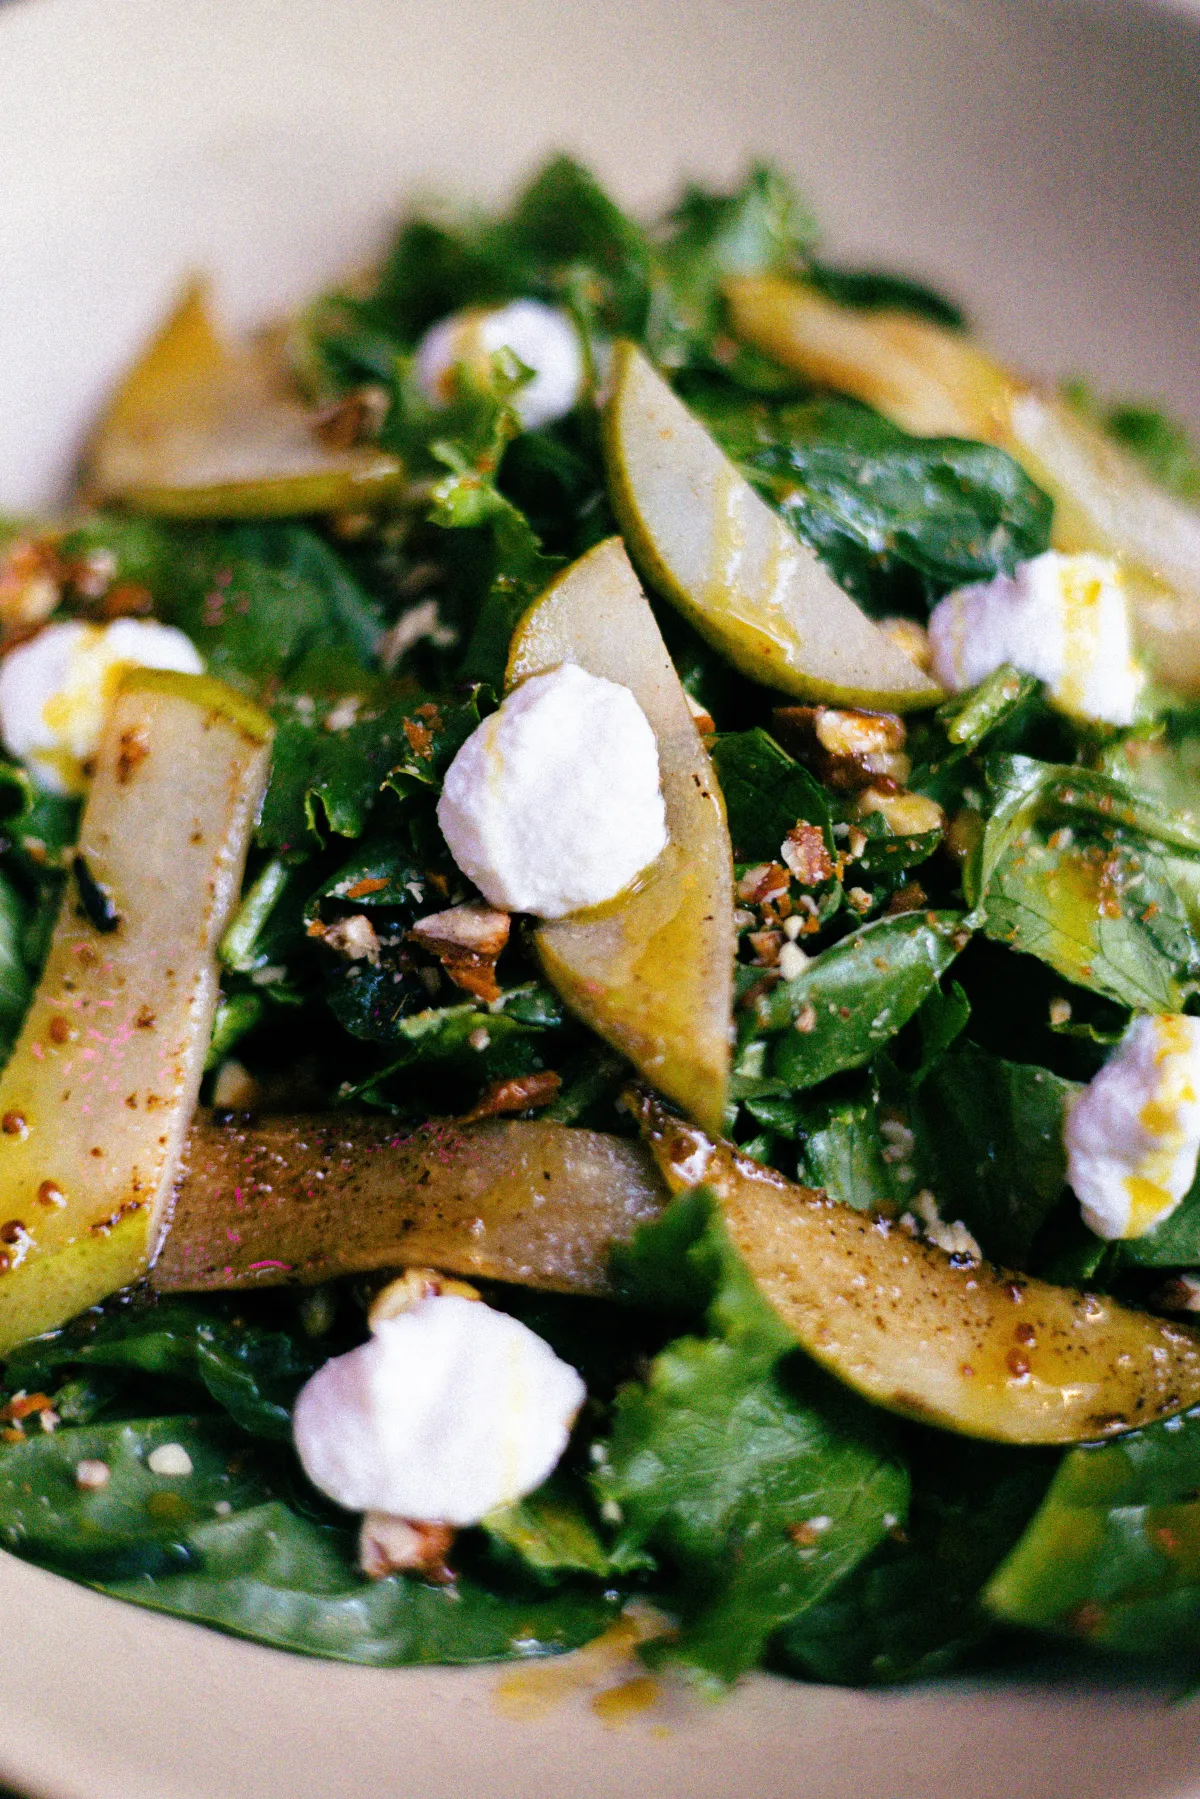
[353,937]
[519,1094]
[354,420]
[467,940]
[804,852]
[845,749]
[31,577]
[765,881]
[391,1545]
[907,814]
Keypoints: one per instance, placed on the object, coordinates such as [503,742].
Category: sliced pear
[713,547]
[935,382]
[962,1345]
[97,1098]
[651,972]
[299,1200]
[203,430]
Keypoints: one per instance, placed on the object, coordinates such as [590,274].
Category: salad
[599,967]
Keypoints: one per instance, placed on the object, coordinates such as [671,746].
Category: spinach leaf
[252,1372]
[877,504]
[441,1036]
[1101,913]
[766,793]
[992,1133]
[554,1535]
[844,1152]
[911,1610]
[873,290]
[1110,1557]
[761,227]
[138,1522]
[853,997]
[757,1479]
[284,1578]
[16,987]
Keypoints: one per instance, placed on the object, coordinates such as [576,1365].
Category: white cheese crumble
[1064,619]
[449,1410]
[170,1459]
[553,803]
[56,690]
[1133,1134]
[542,337]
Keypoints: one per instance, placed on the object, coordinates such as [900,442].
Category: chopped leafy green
[1110,1558]
[766,792]
[878,505]
[280,1577]
[1163,446]
[755,1478]
[873,290]
[993,1131]
[853,997]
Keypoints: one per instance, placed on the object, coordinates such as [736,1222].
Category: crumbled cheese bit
[56,690]
[1060,1011]
[1133,1134]
[540,336]
[419,623]
[553,803]
[954,1239]
[1062,618]
[235,1088]
[169,1458]
[449,1410]
[91,1476]
[792,959]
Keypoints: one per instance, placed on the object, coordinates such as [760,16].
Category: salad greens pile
[963,981]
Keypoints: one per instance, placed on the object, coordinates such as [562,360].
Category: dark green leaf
[766,793]
[1111,1557]
[856,995]
[1161,444]
[993,1133]
[554,1534]
[873,290]
[280,1578]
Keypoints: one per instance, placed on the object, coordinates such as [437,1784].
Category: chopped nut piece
[1060,1011]
[765,881]
[520,1094]
[410,1288]
[1179,1294]
[467,940]
[390,1545]
[859,898]
[846,749]
[235,1088]
[170,1459]
[354,420]
[91,1476]
[806,1019]
[909,898]
[766,946]
[804,852]
[30,585]
[792,961]
[354,938]
[907,814]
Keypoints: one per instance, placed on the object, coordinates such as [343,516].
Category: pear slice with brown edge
[713,547]
[936,382]
[296,1200]
[200,429]
[97,1097]
[651,972]
[933,1337]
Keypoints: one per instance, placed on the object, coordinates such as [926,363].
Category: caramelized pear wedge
[713,547]
[652,971]
[97,1098]
[203,430]
[934,382]
[961,1345]
[299,1200]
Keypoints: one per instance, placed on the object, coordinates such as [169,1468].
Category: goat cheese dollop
[542,337]
[1133,1134]
[450,1409]
[56,690]
[554,802]
[1064,619]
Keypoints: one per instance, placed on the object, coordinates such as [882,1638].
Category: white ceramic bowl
[1039,157]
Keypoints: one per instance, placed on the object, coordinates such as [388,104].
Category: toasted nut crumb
[390,1545]
[468,941]
[520,1094]
[169,1459]
[907,814]
[354,938]
[806,1019]
[803,851]
[91,1476]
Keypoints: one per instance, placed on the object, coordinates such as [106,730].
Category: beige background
[1043,160]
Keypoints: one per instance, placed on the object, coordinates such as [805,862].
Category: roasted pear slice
[97,1098]
[937,383]
[962,1345]
[203,430]
[298,1200]
[713,547]
[652,971]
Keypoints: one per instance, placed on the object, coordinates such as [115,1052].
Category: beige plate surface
[1042,157]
